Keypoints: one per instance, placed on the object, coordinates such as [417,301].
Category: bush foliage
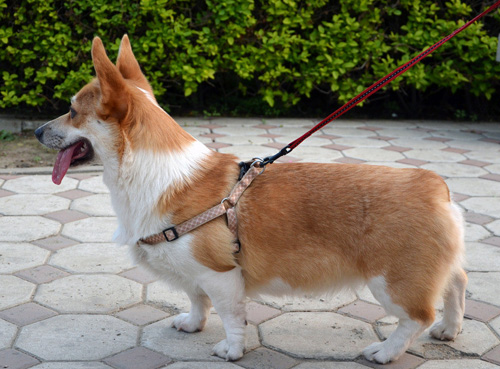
[254,55]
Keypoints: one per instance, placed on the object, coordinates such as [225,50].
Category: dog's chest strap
[174,232]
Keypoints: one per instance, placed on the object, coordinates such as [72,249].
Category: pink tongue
[63,162]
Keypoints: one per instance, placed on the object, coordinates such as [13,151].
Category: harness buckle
[174,231]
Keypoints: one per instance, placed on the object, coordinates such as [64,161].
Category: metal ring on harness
[258,160]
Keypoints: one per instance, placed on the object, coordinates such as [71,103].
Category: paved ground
[70,299]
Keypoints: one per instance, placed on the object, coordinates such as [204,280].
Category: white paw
[186,323]
[227,352]
[380,352]
[445,332]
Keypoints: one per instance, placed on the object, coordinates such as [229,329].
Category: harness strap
[174,232]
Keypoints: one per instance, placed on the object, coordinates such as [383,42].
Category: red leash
[372,89]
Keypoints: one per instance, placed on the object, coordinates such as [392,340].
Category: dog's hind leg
[454,307]
[408,329]
[454,292]
[227,292]
[197,317]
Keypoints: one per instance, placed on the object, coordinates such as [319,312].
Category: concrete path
[70,299]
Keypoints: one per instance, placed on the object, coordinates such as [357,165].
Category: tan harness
[174,232]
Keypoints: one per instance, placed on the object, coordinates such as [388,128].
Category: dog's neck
[138,180]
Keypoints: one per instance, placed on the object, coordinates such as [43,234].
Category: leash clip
[270,159]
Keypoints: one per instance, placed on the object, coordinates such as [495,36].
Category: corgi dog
[303,227]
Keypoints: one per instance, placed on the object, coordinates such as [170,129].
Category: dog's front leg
[197,317]
[227,292]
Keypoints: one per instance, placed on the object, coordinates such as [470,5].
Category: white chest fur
[140,181]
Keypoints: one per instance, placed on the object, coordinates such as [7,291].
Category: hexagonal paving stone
[308,302]
[89,293]
[457,135]
[14,359]
[24,204]
[316,154]
[291,132]
[258,313]
[474,186]
[312,142]
[77,337]
[39,184]
[25,314]
[418,144]
[330,365]
[96,205]
[475,232]
[14,291]
[27,228]
[457,364]
[244,140]
[202,365]
[348,131]
[93,184]
[163,338]
[360,142]
[72,365]
[93,258]
[18,256]
[7,334]
[475,147]
[495,324]
[138,357]
[42,274]
[404,132]
[96,229]
[483,205]
[474,339]
[434,155]
[142,315]
[263,358]
[494,227]
[494,168]
[232,130]
[317,335]
[301,122]
[55,243]
[481,285]
[246,152]
[372,154]
[487,155]
[454,169]
[66,216]
[161,294]
[482,258]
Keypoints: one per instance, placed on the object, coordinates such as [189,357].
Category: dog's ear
[129,67]
[114,89]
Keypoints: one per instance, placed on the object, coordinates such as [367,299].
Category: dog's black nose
[39,133]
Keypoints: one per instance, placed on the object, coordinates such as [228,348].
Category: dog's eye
[72,113]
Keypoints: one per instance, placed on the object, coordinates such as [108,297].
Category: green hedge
[281,52]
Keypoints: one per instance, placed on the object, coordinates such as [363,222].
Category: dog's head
[100,119]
